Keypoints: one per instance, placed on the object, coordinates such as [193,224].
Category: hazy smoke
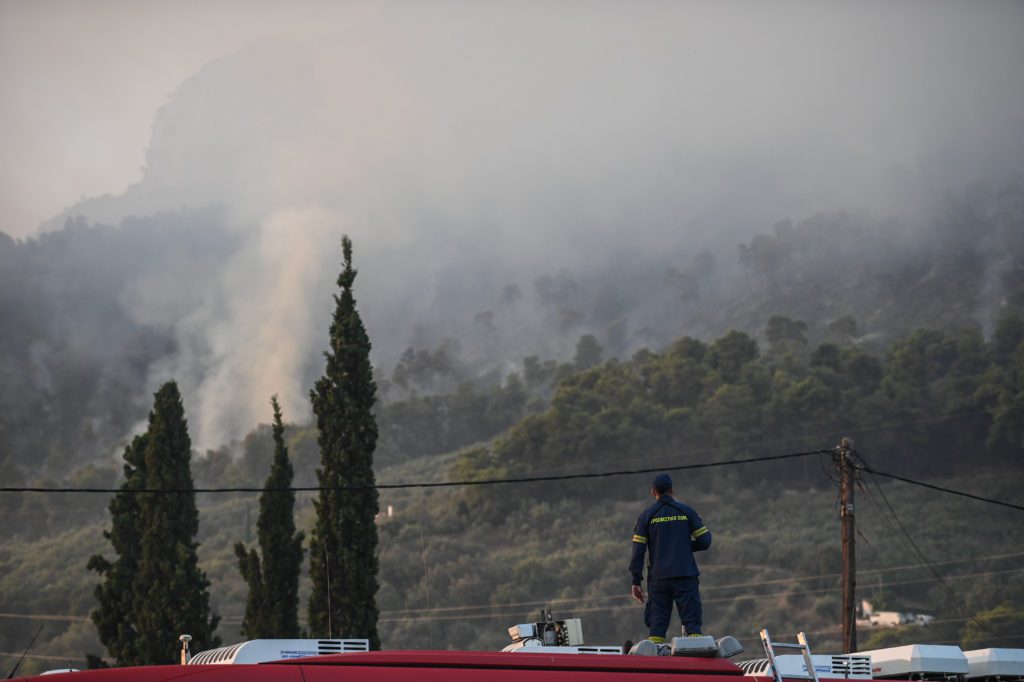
[251,337]
[469,147]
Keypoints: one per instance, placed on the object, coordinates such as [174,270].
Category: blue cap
[662,481]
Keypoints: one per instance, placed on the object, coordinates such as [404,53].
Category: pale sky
[923,84]
[81,81]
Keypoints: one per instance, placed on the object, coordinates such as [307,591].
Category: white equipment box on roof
[532,646]
[918,661]
[1004,664]
[852,666]
[262,650]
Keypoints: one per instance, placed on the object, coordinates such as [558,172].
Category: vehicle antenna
[327,565]
[25,652]
[426,583]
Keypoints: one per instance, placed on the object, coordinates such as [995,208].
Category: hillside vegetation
[451,581]
[458,565]
[94,317]
[923,367]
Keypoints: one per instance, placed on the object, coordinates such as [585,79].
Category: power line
[396,614]
[45,616]
[961,493]
[922,561]
[441,484]
[709,588]
[1014,614]
[617,595]
[920,555]
[561,600]
[627,602]
[523,479]
[825,631]
[987,639]
[499,481]
[754,597]
[509,607]
[44,657]
[1008,555]
[773,441]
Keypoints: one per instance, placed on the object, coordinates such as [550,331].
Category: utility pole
[847,471]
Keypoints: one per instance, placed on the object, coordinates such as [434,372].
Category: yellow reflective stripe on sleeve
[697,533]
[640,539]
[662,519]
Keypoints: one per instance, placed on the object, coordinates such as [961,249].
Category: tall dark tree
[343,546]
[171,594]
[154,591]
[271,610]
[115,618]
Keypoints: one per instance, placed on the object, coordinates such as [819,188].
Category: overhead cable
[623,597]
[712,588]
[931,486]
[835,629]
[501,608]
[626,602]
[916,552]
[438,484]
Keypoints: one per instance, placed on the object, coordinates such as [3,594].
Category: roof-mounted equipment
[995,664]
[263,650]
[919,662]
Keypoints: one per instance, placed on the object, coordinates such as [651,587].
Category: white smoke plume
[256,330]
[468,146]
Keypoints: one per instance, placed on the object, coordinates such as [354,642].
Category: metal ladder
[803,647]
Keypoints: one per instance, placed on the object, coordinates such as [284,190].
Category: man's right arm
[700,539]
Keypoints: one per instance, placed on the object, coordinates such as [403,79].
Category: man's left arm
[636,563]
[700,537]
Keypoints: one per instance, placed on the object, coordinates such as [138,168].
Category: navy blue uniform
[669,532]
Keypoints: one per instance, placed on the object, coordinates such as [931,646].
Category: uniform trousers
[662,593]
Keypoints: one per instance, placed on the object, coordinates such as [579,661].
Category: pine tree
[114,619]
[171,594]
[343,545]
[271,610]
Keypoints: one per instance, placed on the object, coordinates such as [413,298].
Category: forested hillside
[459,565]
[909,340]
[95,317]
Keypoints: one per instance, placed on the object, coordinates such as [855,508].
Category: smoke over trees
[148,301]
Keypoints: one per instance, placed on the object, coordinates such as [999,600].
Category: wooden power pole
[846,489]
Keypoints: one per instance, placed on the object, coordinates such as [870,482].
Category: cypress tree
[271,609]
[343,545]
[114,619]
[254,620]
[153,591]
[171,594]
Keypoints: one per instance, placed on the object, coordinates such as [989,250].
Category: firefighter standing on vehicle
[669,532]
